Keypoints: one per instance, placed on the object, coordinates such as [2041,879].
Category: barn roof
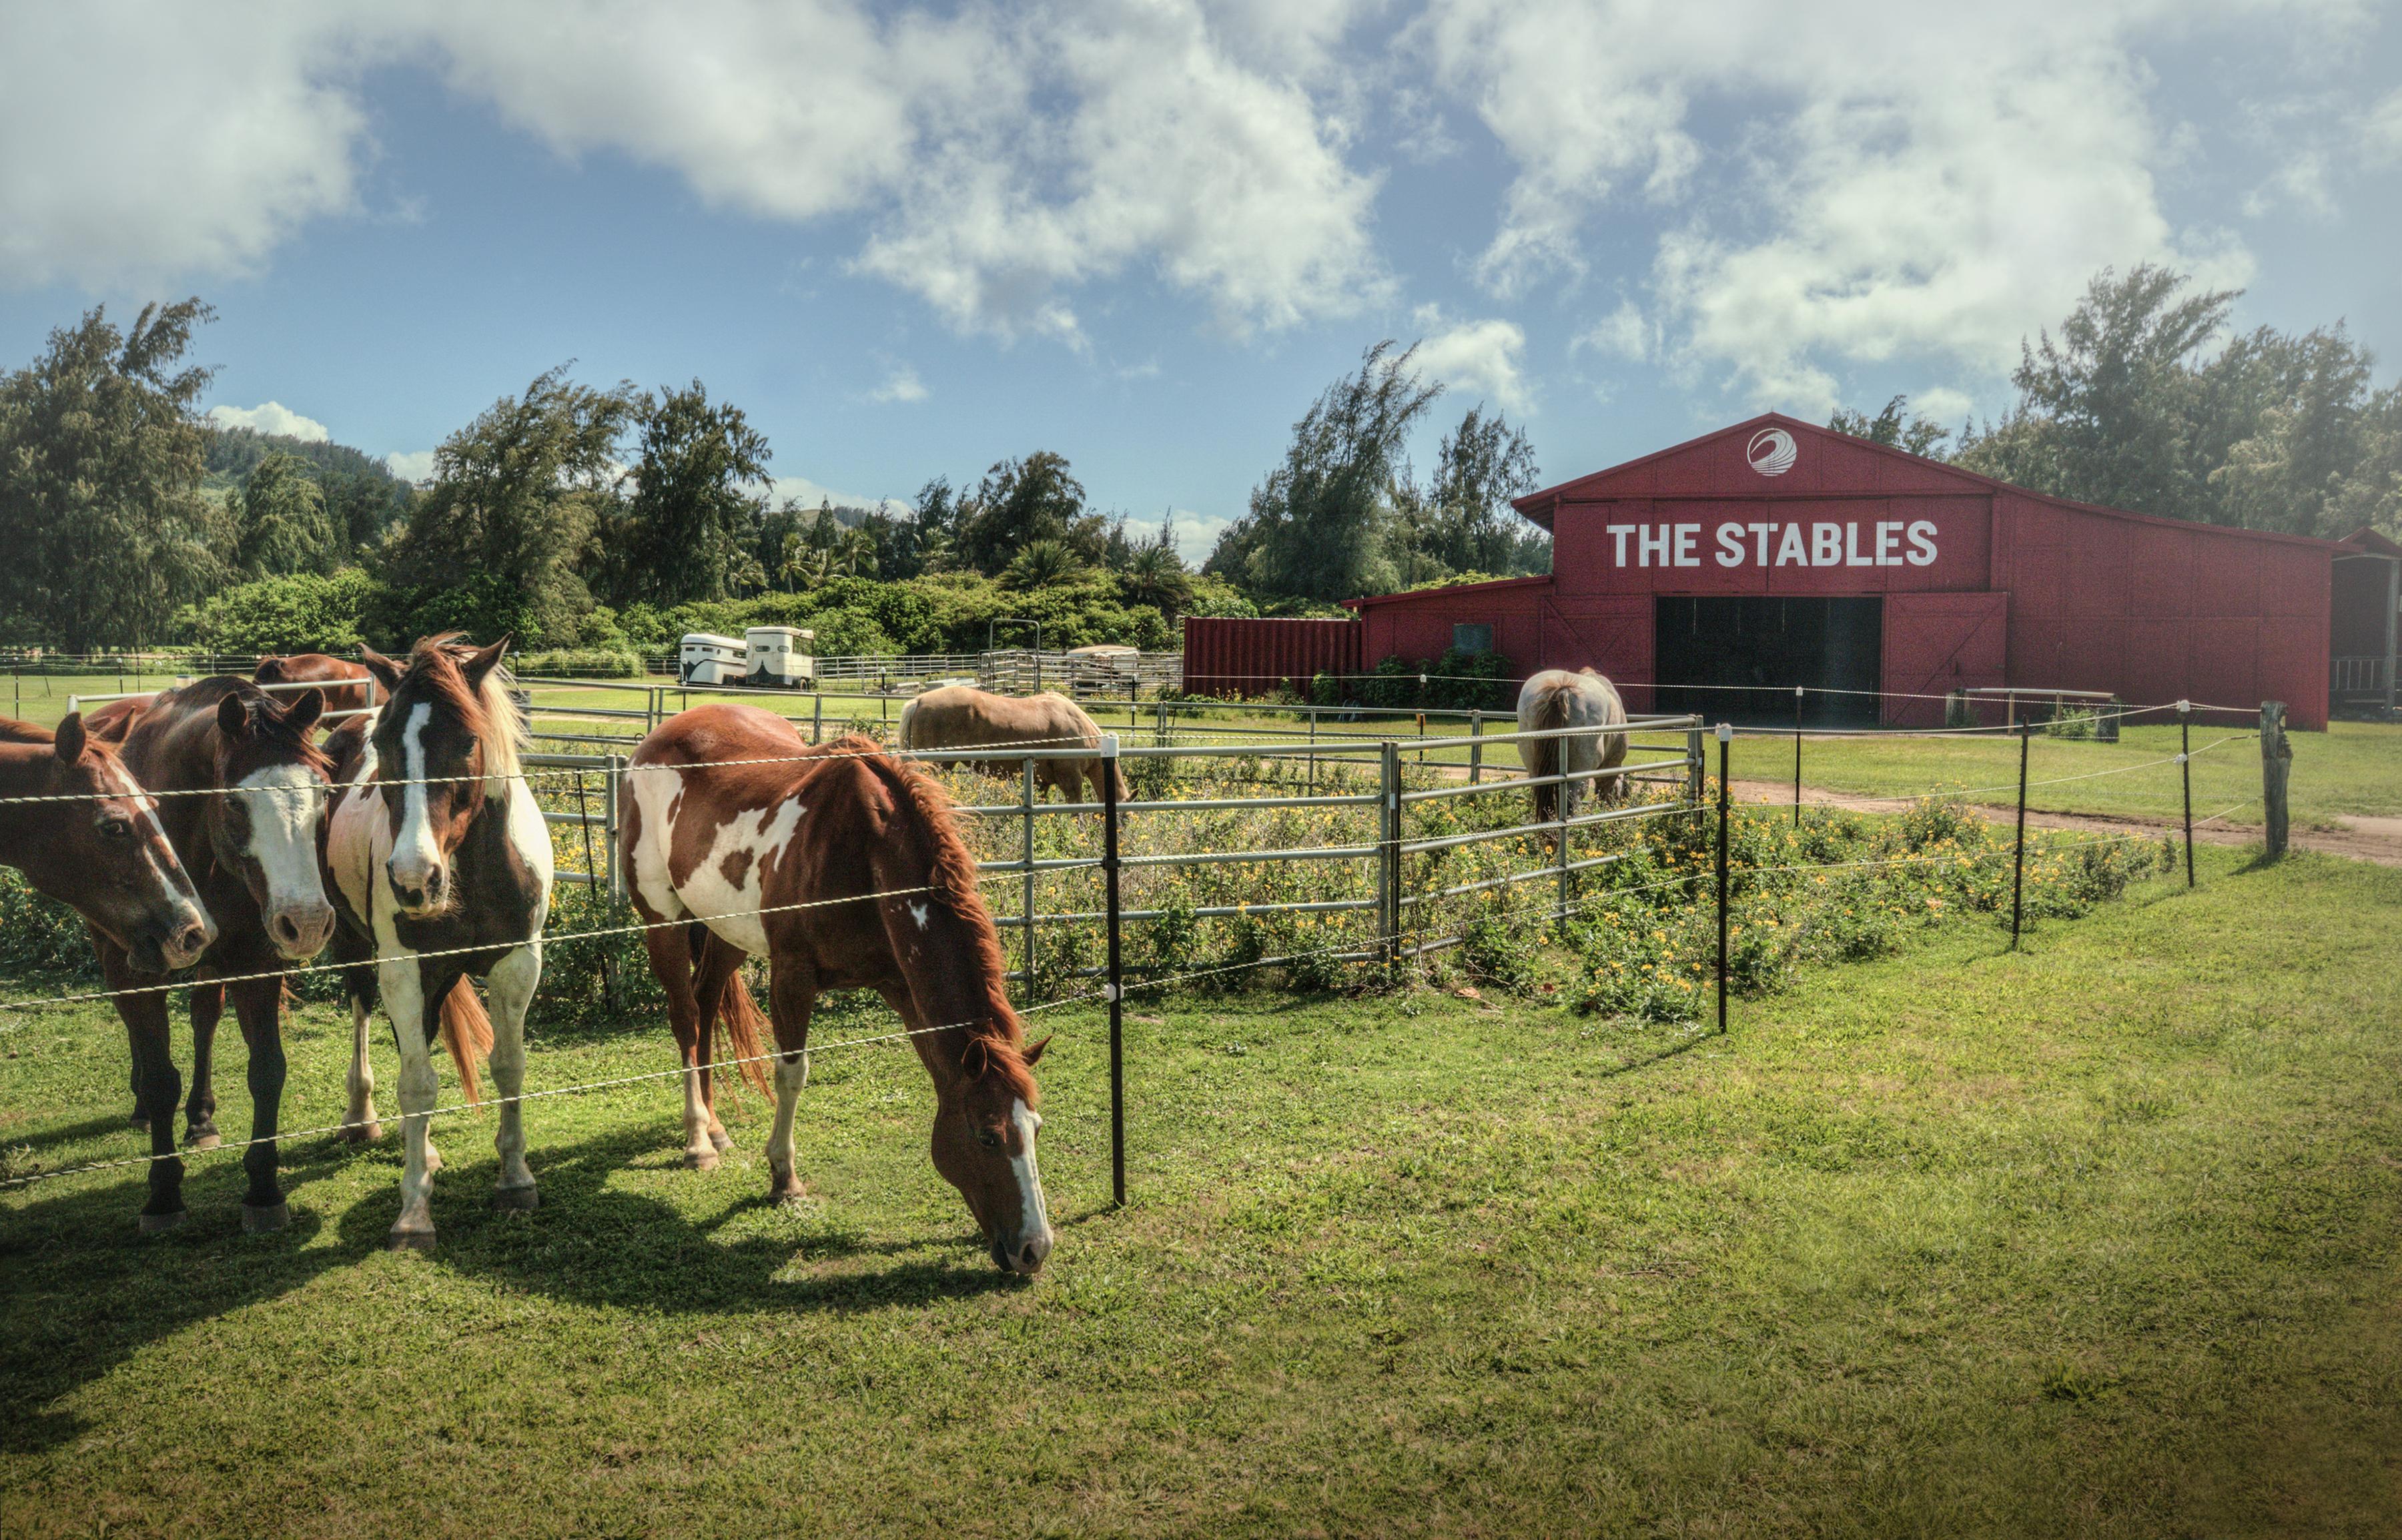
[1881,471]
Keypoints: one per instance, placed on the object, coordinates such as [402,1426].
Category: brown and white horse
[344,683]
[249,841]
[735,847]
[441,864]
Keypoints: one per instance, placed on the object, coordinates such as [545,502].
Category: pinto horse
[441,865]
[866,842]
[249,838]
[345,683]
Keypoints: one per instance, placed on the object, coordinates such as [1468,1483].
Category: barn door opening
[1738,659]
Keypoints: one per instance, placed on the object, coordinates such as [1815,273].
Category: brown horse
[958,716]
[346,685]
[250,844]
[735,847]
[104,854]
[441,862]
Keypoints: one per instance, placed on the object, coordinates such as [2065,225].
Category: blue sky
[912,242]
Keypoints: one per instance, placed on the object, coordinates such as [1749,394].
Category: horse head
[106,857]
[984,1125]
[446,738]
[266,829]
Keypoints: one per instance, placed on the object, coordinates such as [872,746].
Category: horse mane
[491,712]
[266,715]
[954,886]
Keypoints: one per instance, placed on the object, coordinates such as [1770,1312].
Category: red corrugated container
[1226,656]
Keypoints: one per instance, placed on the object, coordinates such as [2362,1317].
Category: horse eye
[989,1138]
[117,829]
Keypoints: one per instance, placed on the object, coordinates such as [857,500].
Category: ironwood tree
[284,526]
[688,529]
[101,460]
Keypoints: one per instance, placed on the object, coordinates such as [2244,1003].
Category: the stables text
[1879,542]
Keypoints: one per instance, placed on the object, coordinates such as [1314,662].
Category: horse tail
[744,1021]
[900,733]
[467,1033]
[1542,755]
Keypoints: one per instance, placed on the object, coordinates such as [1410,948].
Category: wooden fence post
[2276,767]
[1476,749]
[609,811]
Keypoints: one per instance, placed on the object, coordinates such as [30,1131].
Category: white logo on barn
[1772,451]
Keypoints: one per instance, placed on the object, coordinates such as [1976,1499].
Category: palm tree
[1156,576]
[1041,563]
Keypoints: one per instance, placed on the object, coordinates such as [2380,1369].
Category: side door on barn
[1608,633]
[1936,643]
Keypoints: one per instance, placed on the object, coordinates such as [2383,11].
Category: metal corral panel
[1226,656]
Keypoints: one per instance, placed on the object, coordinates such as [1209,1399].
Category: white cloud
[901,384]
[1624,333]
[1475,355]
[2381,131]
[1197,534]
[1873,190]
[808,494]
[273,418]
[413,467]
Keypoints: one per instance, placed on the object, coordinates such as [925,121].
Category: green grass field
[2094,1239]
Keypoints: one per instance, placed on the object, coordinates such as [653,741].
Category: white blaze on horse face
[416,855]
[1033,1240]
[284,803]
[158,851]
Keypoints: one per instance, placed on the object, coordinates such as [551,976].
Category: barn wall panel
[1229,656]
[1936,643]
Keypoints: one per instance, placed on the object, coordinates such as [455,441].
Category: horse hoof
[412,1240]
[202,1141]
[522,1198]
[159,1224]
[362,1133]
[790,1190]
[700,1159]
[723,1140]
[258,1221]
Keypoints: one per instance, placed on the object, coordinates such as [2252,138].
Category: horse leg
[407,1002]
[511,985]
[258,1007]
[792,991]
[718,961]
[200,1108]
[359,1124]
[672,950]
[157,1086]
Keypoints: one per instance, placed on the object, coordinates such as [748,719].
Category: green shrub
[577,662]
[301,614]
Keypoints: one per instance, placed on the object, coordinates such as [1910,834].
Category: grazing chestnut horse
[1556,698]
[344,683]
[249,841]
[734,848]
[441,864]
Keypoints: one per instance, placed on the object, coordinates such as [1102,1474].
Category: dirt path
[2378,839]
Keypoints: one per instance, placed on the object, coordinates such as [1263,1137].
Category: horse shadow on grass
[84,1292]
[595,1242]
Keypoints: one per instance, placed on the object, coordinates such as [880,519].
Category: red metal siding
[1254,657]
[2073,597]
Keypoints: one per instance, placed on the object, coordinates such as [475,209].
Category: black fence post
[2017,860]
[1117,978]
[1726,741]
[2184,772]
[1797,756]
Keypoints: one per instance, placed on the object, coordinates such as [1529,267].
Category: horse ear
[387,673]
[233,716]
[304,710]
[68,741]
[481,663]
[975,1059]
[1033,1051]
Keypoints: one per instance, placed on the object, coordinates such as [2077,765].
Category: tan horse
[959,717]
[1554,699]
[844,867]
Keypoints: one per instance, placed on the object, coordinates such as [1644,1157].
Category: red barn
[1775,553]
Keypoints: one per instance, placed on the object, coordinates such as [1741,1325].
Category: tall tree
[100,459]
[1020,501]
[699,497]
[1316,525]
[284,526]
[493,543]
[1479,467]
[1895,428]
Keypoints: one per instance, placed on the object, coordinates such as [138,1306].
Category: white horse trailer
[706,659]
[778,655]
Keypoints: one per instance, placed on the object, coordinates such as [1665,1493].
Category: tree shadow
[594,1242]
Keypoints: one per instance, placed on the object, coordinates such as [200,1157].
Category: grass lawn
[2095,1240]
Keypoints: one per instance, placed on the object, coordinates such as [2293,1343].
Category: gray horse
[1554,699]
